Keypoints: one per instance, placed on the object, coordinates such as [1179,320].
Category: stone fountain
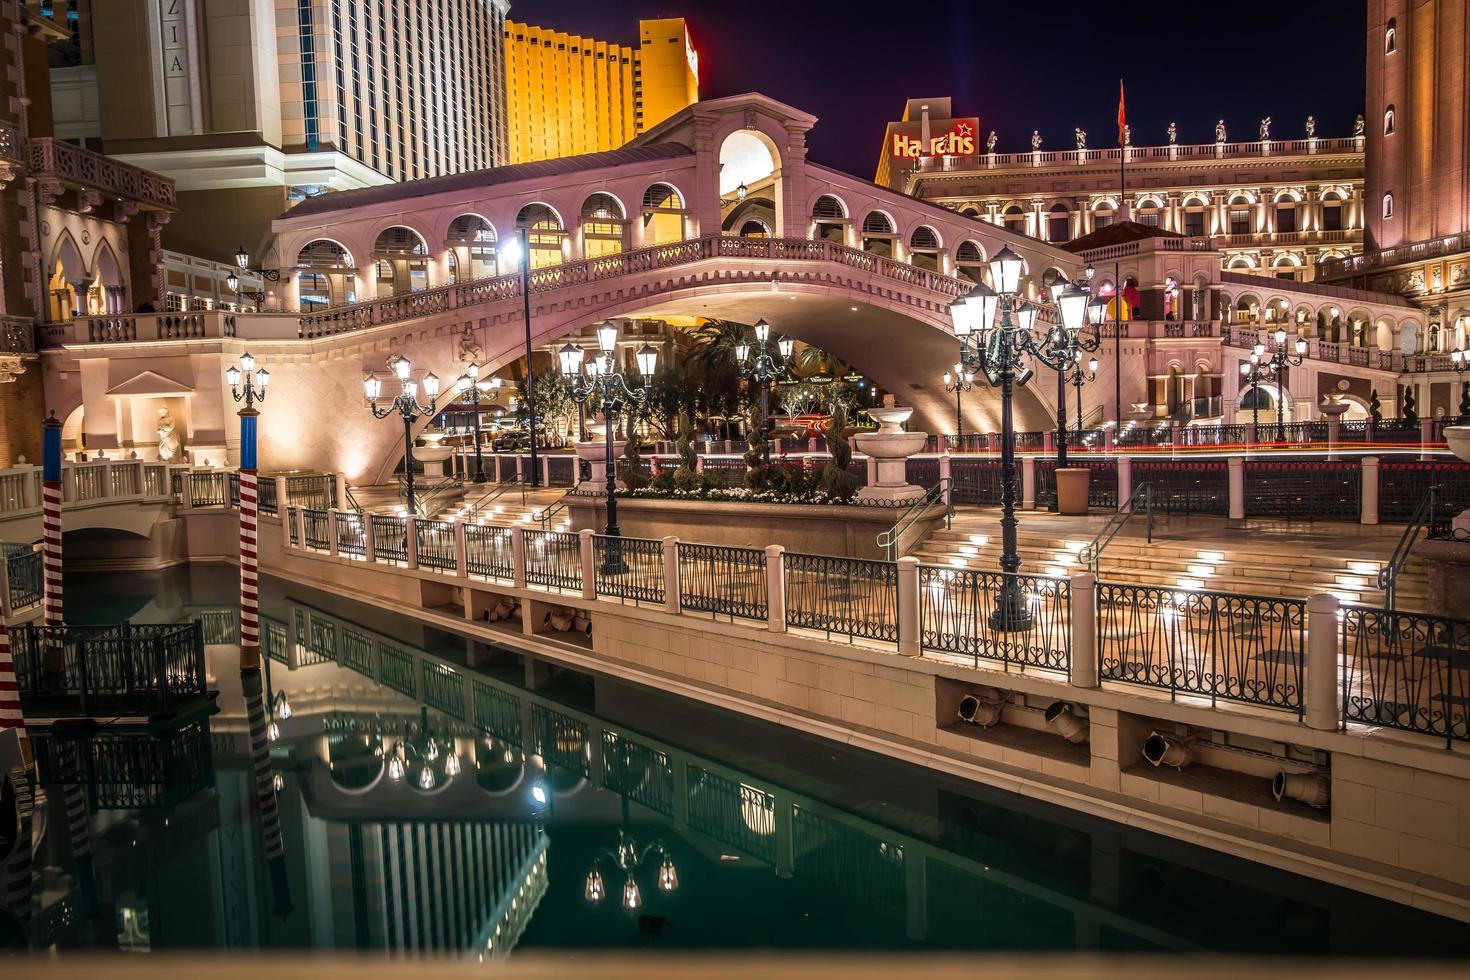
[891,447]
[595,453]
[433,453]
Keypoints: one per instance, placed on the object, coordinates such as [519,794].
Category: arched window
[1149,211]
[1388,205]
[325,275]
[1285,214]
[1059,224]
[543,234]
[602,226]
[1332,211]
[754,228]
[830,218]
[471,244]
[1015,218]
[969,261]
[1391,36]
[878,234]
[1194,217]
[663,215]
[924,248]
[1103,213]
[401,257]
[1388,121]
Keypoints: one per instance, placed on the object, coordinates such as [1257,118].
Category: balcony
[88,171]
[1110,156]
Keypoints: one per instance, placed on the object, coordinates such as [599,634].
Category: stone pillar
[946,479]
[872,479]
[332,532]
[281,494]
[369,546]
[1048,442]
[1108,440]
[518,557]
[411,541]
[1084,630]
[1028,482]
[339,484]
[300,517]
[461,551]
[1334,435]
[589,562]
[672,604]
[1426,435]
[1369,492]
[775,589]
[1322,704]
[1236,467]
[1176,439]
[286,516]
[908,606]
[1125,481]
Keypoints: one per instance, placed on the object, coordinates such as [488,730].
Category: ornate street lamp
[761,366]
[406,403]
[598,377]
[242,261]
[1252,373]
[469,384]
[959,382]
[628,859]
[1066,342]
[1278,361]
[997,349]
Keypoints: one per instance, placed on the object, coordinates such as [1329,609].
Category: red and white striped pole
[249,509]
[53,658]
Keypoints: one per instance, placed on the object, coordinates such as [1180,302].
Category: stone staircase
[1224,562]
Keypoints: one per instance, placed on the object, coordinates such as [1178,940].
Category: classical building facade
[1275,207]
[568,94]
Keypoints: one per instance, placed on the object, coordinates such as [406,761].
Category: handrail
[1388,576]
[426,493]
[501,489]
[545,514]
[1092,554]
[351,500]
[943,490]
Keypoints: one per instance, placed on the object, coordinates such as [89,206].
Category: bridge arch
[470,247]
[400,261]
[752,157]
[545,234]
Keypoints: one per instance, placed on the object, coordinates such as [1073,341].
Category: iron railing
[1142,497]
[488,551]
[553,559]
[125,669]
[641,577]
[314,525]
[1193,487]
[976,481]
[350,538]
[1402,485]
[128,767]
[436,545]
[23,569]
[390,538]
[1407,671]
[1328,489]
[1221,646]
[853,597]
[734,813]
[638,772]
[209,488]
[1423,517]
[956,606]
[723,580]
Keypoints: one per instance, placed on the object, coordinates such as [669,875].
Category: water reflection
[439,795]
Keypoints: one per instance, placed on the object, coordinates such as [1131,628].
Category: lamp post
[248,386]
[406,403]
[1065,344]
[469,384]
[627,860]
[598,376]
[959,382]
[997,350]
[1278,361]
[762,365]
[1252,373]
[518,251]
[242,262]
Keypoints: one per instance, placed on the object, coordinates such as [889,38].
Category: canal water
[443,795]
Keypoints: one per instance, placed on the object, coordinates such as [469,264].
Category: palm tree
[813,360]
[715,342]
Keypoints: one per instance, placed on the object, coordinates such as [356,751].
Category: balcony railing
[1110,156]
[75,165]
[1398,255]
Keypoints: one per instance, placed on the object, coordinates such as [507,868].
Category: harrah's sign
[906,139]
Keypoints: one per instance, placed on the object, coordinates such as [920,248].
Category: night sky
[853,63]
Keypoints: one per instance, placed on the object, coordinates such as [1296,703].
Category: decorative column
[10,711]
[249,510]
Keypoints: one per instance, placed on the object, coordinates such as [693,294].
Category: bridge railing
[1199,645]
[126,669]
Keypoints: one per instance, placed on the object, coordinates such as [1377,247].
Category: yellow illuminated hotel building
[567,94]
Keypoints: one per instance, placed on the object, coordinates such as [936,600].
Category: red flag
[1122,117]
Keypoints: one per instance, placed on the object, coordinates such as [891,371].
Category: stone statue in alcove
[170,442]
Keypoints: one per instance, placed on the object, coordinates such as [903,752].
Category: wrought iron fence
[638,772]
[208,488]
[922,472]
[219,626]
[734,813]
[561,471]
[958,614]
[397,669]
[128,768]
[443,689]
[976,481]
[317,490]
[293,533]
[729,472]
[498,712]
[1407,671]
[1403,483]
[122,669]
[1303,488]
[854,597]
[265,495]
[1102,480]
[553,559]
[390,538]
[350,539]
[1216,645]
[436,545]
[560,740]
[1213,435]
[488,551]
[314,524]
[722,580]
[23,568]
[1186,487]
[641,560]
